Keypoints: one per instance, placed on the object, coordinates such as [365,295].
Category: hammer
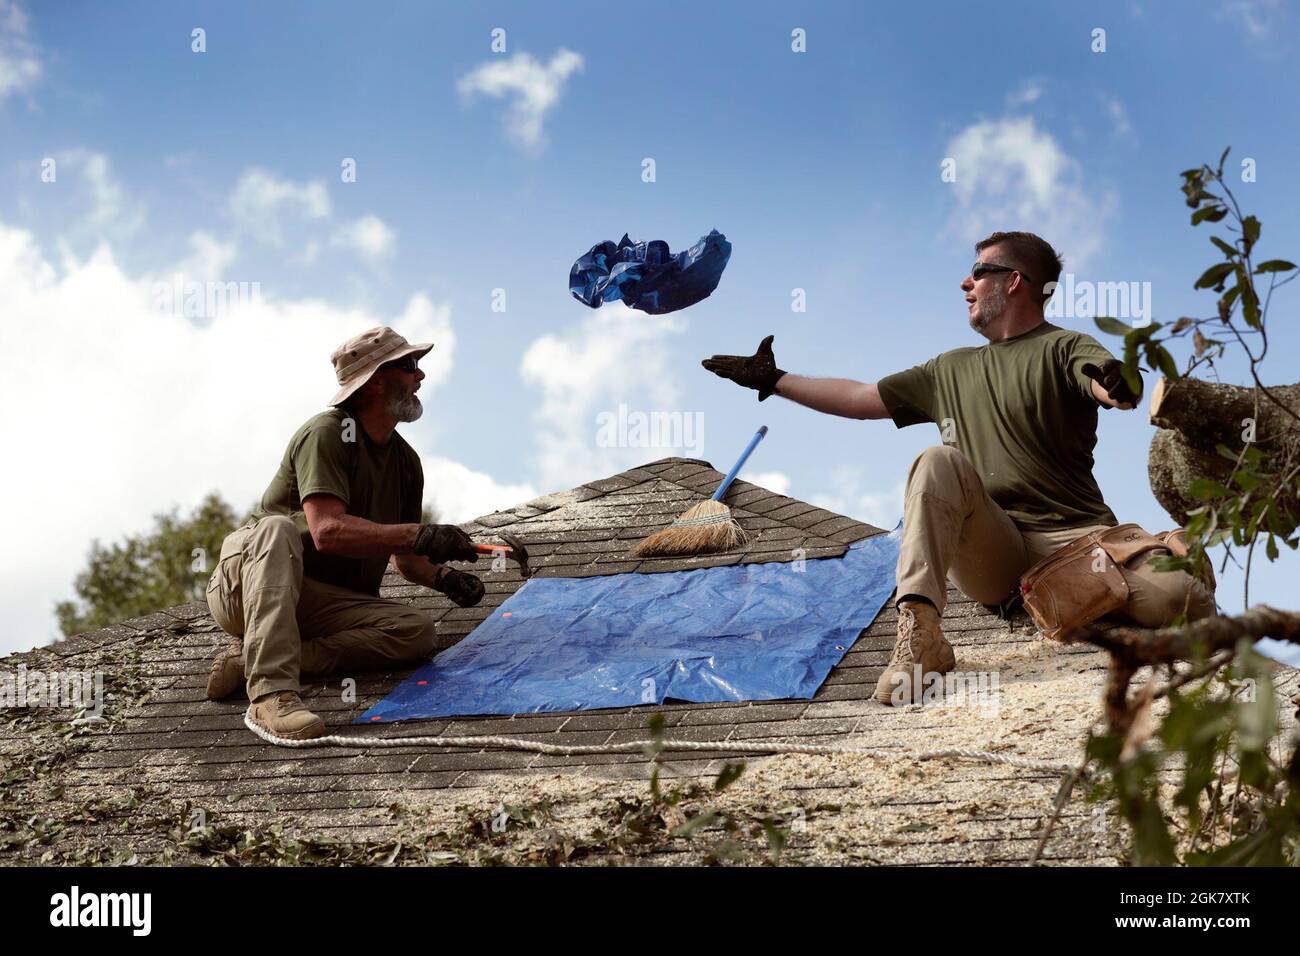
[513,549]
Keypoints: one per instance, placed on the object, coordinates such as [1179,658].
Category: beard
[406,409]
[989,308]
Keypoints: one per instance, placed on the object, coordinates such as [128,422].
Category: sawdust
[844,808]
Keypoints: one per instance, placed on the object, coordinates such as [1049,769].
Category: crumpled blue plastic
[646,276]
[745,632]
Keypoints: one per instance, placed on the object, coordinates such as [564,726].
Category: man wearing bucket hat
[297,587]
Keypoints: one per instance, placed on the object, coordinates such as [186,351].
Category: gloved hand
[463,588]
[441,543]
[1111,378]
[757,371]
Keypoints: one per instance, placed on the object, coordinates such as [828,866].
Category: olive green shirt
[1023,412]
[332,454]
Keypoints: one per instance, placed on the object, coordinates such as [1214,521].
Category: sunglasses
[981,269]
[408,364]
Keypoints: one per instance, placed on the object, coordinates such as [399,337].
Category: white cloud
[777,481]
[1118,115]
[1257,17]
[1012,175]
[849,494]
[125,410]
[1029,91]
[20,63]
[612,356]
[458,493]
[209,258]
[535,90]
[261,202]
[93,199]
[368,236]
[279,211]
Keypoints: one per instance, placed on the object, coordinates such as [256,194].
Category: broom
[705,527]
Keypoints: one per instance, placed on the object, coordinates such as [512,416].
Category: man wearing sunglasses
[1012,481]
[297,587]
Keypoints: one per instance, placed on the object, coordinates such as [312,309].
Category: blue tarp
[646,276]
[746,632]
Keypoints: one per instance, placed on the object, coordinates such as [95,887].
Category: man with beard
[298,585]
[1013,480]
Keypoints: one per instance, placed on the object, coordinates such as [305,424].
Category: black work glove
[1111,378]
[441,543]
[462,587]
[757,371]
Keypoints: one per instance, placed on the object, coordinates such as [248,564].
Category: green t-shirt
[381,483]
[1023,412]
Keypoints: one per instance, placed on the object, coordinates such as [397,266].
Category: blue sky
[821,167]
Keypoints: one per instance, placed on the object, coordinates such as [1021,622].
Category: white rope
[638,746]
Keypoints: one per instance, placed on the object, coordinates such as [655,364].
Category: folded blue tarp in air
[745,632]
[646,276]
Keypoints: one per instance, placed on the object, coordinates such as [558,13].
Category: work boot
[283,714]
[920,642]
[227,673]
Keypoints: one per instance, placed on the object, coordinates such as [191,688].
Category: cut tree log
[1193,417]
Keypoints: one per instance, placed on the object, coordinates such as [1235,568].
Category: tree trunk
[1193,417]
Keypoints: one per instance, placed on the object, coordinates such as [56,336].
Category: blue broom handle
[740,463]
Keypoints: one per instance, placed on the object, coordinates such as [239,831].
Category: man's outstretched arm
[834,396]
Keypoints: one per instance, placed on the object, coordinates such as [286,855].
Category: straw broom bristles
[703,528]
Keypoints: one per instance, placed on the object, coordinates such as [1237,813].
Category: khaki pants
[292,624]
[952,530]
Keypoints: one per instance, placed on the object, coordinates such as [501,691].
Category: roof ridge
[112,633]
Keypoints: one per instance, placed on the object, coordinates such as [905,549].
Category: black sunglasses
[408,364]
[981,269]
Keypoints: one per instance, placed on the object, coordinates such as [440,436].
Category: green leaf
[1207,488]
[1168,368]
[1142,332]
[688,828]
[1208,214]
[1250,307]
[1263,848]
[1151,841]
[1246,482]
[776,840]
[729,774]
[1214,275]
[1112,326]
[1274,265]
[1230,251]
[1249,232]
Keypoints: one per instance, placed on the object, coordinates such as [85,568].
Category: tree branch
[1139,645]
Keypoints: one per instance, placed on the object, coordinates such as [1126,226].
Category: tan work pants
[292,624]
[952,530]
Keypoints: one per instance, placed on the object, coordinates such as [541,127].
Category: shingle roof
[161,760]
[590,530]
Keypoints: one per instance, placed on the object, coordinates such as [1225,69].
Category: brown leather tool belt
[1081,582]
